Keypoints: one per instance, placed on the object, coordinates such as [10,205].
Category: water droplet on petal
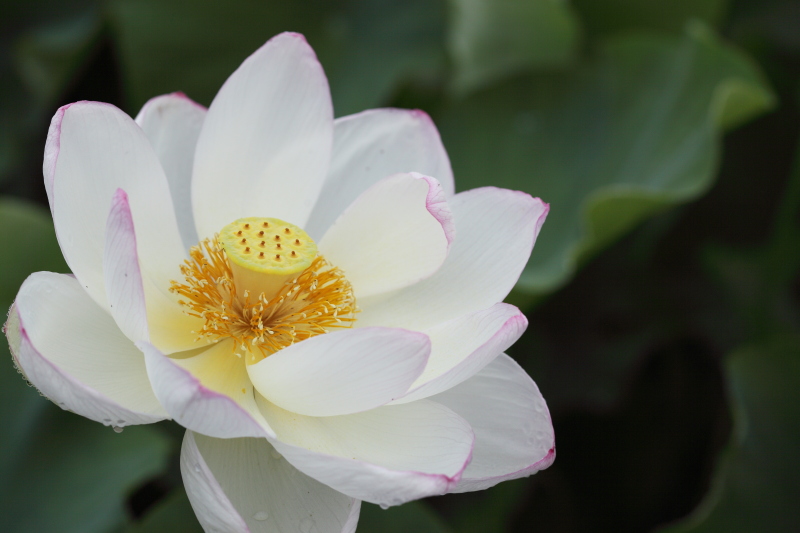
[261,516]
[117,429]
[197,467]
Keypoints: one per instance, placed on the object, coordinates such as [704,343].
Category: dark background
[662,295]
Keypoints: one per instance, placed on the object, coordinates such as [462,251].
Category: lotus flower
[307,296]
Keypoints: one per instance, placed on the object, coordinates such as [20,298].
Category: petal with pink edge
[140,307]
[265,145]
[92,150]
[123,279]
[207,391]
[465,345]
[75,354]
[395,234]
[172,123]
[342,372]
[389,455]
[513,433]
[496,230]
[370,146]
[244,485]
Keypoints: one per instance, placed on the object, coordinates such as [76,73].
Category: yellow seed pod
[265,253]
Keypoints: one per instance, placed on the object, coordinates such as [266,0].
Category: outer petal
[206,394]
[513,433]
[123,280]
[92,150]
[370,146]
[73,352]
[172,123]
[464,346]
[244,485]
[265,145]
[389,455]
[395,234]
[496,232]
[342,372]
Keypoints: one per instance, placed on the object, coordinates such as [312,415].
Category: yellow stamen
[306,301]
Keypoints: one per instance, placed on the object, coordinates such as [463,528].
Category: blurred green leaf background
[663,294]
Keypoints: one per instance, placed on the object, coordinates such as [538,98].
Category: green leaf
[58,471]
[755,487]
[173,514]
[608,145]
[491,39]
[49,56]
[177,45]
[29,242]
[606,17]
[414,516]
[45,44]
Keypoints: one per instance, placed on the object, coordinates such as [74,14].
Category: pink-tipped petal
[265,145]
[389,455]
[370,146]
[92,150]
[395,234]
[172,123]
[464,346]
[75,354]
[197,405]
[342,372]
[141,307]
[123,280]
[513,433]
[496,230]
[244,485]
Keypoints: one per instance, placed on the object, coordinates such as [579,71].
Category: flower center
[261,282]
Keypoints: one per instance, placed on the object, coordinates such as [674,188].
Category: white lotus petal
[389,455]
[244,485]
[75,354]
[395,234]
[162,320]
[172,123]
[92,150]
[342,372]
[265,145]
[496,230]
[208,392]
[513,433]
[370,146]
[123,279]
[465,345]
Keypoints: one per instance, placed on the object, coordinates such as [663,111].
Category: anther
[294,254]
[239,232]
[261,254]
[297,242]
[265,224]
[277,257]
[278,246]
[287,231]
[260,233]
[262,243]
[247,226]
[247,249]
[244,241]
[277,237]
